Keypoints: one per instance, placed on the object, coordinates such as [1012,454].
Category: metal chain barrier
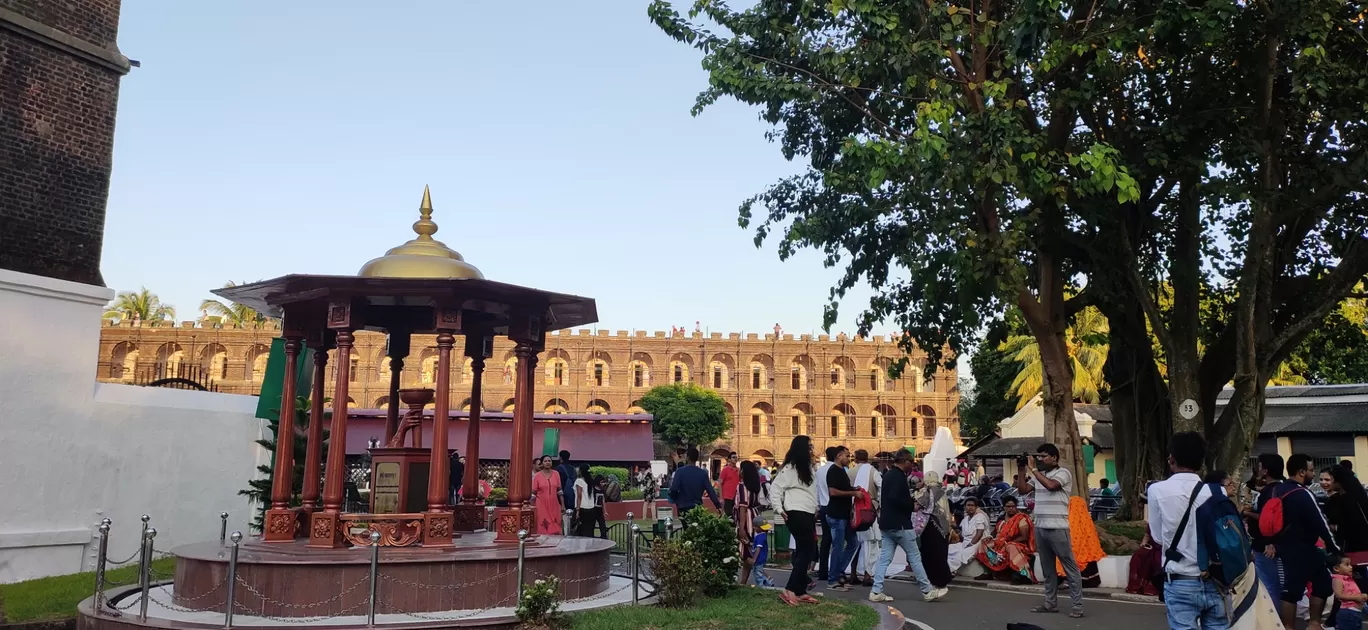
[442,587]
[507,601]
[335,598]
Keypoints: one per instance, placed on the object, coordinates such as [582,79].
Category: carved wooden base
[507,522]
[470,517]
[325,530]
[282,525]
[439,528]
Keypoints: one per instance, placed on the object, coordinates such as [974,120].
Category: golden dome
[422,257]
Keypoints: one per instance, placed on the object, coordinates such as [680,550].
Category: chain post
[374,576]
[522,556]
[669,527]
[223,527]
[100,561]
[145,572]
[232,581]
[142,538]
[634,555]
[566,520]
[629,531]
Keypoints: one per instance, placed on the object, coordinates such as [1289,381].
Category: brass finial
[422,257]
[424,226]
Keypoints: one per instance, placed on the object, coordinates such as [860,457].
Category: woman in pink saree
[546,498]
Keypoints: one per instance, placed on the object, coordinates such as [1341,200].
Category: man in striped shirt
[1053,485]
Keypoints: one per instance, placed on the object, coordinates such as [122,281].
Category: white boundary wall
[73,451]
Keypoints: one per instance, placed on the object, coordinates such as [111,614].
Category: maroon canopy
[589,437]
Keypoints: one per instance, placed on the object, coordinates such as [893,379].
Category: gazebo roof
[495,300]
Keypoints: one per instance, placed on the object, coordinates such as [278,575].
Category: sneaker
[879,597]
[929,597]
[937,593]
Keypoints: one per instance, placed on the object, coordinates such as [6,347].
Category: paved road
[974,608]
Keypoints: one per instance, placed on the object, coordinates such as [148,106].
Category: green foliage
[1336,352]
[714,537]
[632,495]
[498,494]
[142,304]
[686,414]
[54,598]
[258,491]
[539,608]
[623,477]
[678,569]
[236,314]
[1086,340]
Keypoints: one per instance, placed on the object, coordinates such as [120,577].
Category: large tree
[686,414]
[943,157]
[1086,339]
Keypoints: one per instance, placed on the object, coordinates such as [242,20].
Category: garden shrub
[498,494]
[678,570]
[623,477]
[714,537]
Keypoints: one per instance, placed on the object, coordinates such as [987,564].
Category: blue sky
[264,138]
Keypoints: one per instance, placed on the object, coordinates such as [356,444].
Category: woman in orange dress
[547,499]
[1087,547]
[1009,555]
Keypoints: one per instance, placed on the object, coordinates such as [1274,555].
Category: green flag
[551,442]
[268,404]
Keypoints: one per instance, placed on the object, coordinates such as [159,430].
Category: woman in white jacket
[794,493]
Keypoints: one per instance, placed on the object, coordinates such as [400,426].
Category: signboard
[268,404]
[551,442]
[1188,409]
[385,491]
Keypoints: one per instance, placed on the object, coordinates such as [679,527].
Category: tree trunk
[1141,422]
[1048,321]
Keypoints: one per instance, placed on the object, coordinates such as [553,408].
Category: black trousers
[602,525]
[823,552]
[803,526]
[584,526]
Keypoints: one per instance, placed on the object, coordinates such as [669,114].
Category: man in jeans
[895,522]
[1295,545]
[1192,600]
[824,547]
[840,510]
[1052,486]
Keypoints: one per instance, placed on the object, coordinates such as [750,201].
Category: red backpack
[1271,521]
[864,513]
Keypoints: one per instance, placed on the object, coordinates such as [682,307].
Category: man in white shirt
[824,497]
[1193,600]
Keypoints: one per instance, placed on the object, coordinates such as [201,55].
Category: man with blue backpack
[1203,537]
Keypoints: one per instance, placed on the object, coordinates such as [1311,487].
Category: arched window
[641,375]
[555,406]
[598,374]
[835,426]
[256,358]
[875,383]
[597,406]
[679,372]
[928,416]
[718,374]
[123,361]
[385,363]
[508,406]
[837,377]
[510,369]
[556,370]
[468,370]
[427,365]
[355,368]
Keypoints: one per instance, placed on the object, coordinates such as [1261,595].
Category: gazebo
[419,287]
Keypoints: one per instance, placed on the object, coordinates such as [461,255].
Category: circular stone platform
[291,580]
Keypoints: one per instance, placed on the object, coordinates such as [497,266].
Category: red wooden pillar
[438,523]
[470,514]
[527,331]
[281,521]
[313,454]
[325,527]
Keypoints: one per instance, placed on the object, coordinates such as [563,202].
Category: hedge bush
[621,473]
[713,536]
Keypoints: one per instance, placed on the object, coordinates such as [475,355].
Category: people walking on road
[750,499]
[869,478]
[794,493]
[1052,485]
[935,539]
[899,531]
[1193,601]
[546,498]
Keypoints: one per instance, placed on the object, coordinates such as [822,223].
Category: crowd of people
[1307,545]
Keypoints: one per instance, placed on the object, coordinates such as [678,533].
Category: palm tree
[236,314]
[143,305]
[1086,340]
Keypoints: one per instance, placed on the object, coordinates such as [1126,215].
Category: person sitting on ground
[973,531]
[1011,554]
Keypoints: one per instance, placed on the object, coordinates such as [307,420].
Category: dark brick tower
[59,88]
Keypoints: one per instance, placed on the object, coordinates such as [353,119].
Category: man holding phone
[1053,485]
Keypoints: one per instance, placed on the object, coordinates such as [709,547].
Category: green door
[1111,471]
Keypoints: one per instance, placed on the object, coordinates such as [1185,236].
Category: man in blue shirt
[567,477]
[1295,545]
[689,484]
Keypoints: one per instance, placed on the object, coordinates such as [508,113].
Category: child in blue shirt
[760,546]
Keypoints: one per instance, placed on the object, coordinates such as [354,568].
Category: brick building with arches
[833,388]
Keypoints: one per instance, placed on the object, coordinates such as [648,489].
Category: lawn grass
[1134,530]
[741,609]
[52,598]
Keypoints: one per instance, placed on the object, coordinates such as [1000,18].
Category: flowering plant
[539,607]
[713,536]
